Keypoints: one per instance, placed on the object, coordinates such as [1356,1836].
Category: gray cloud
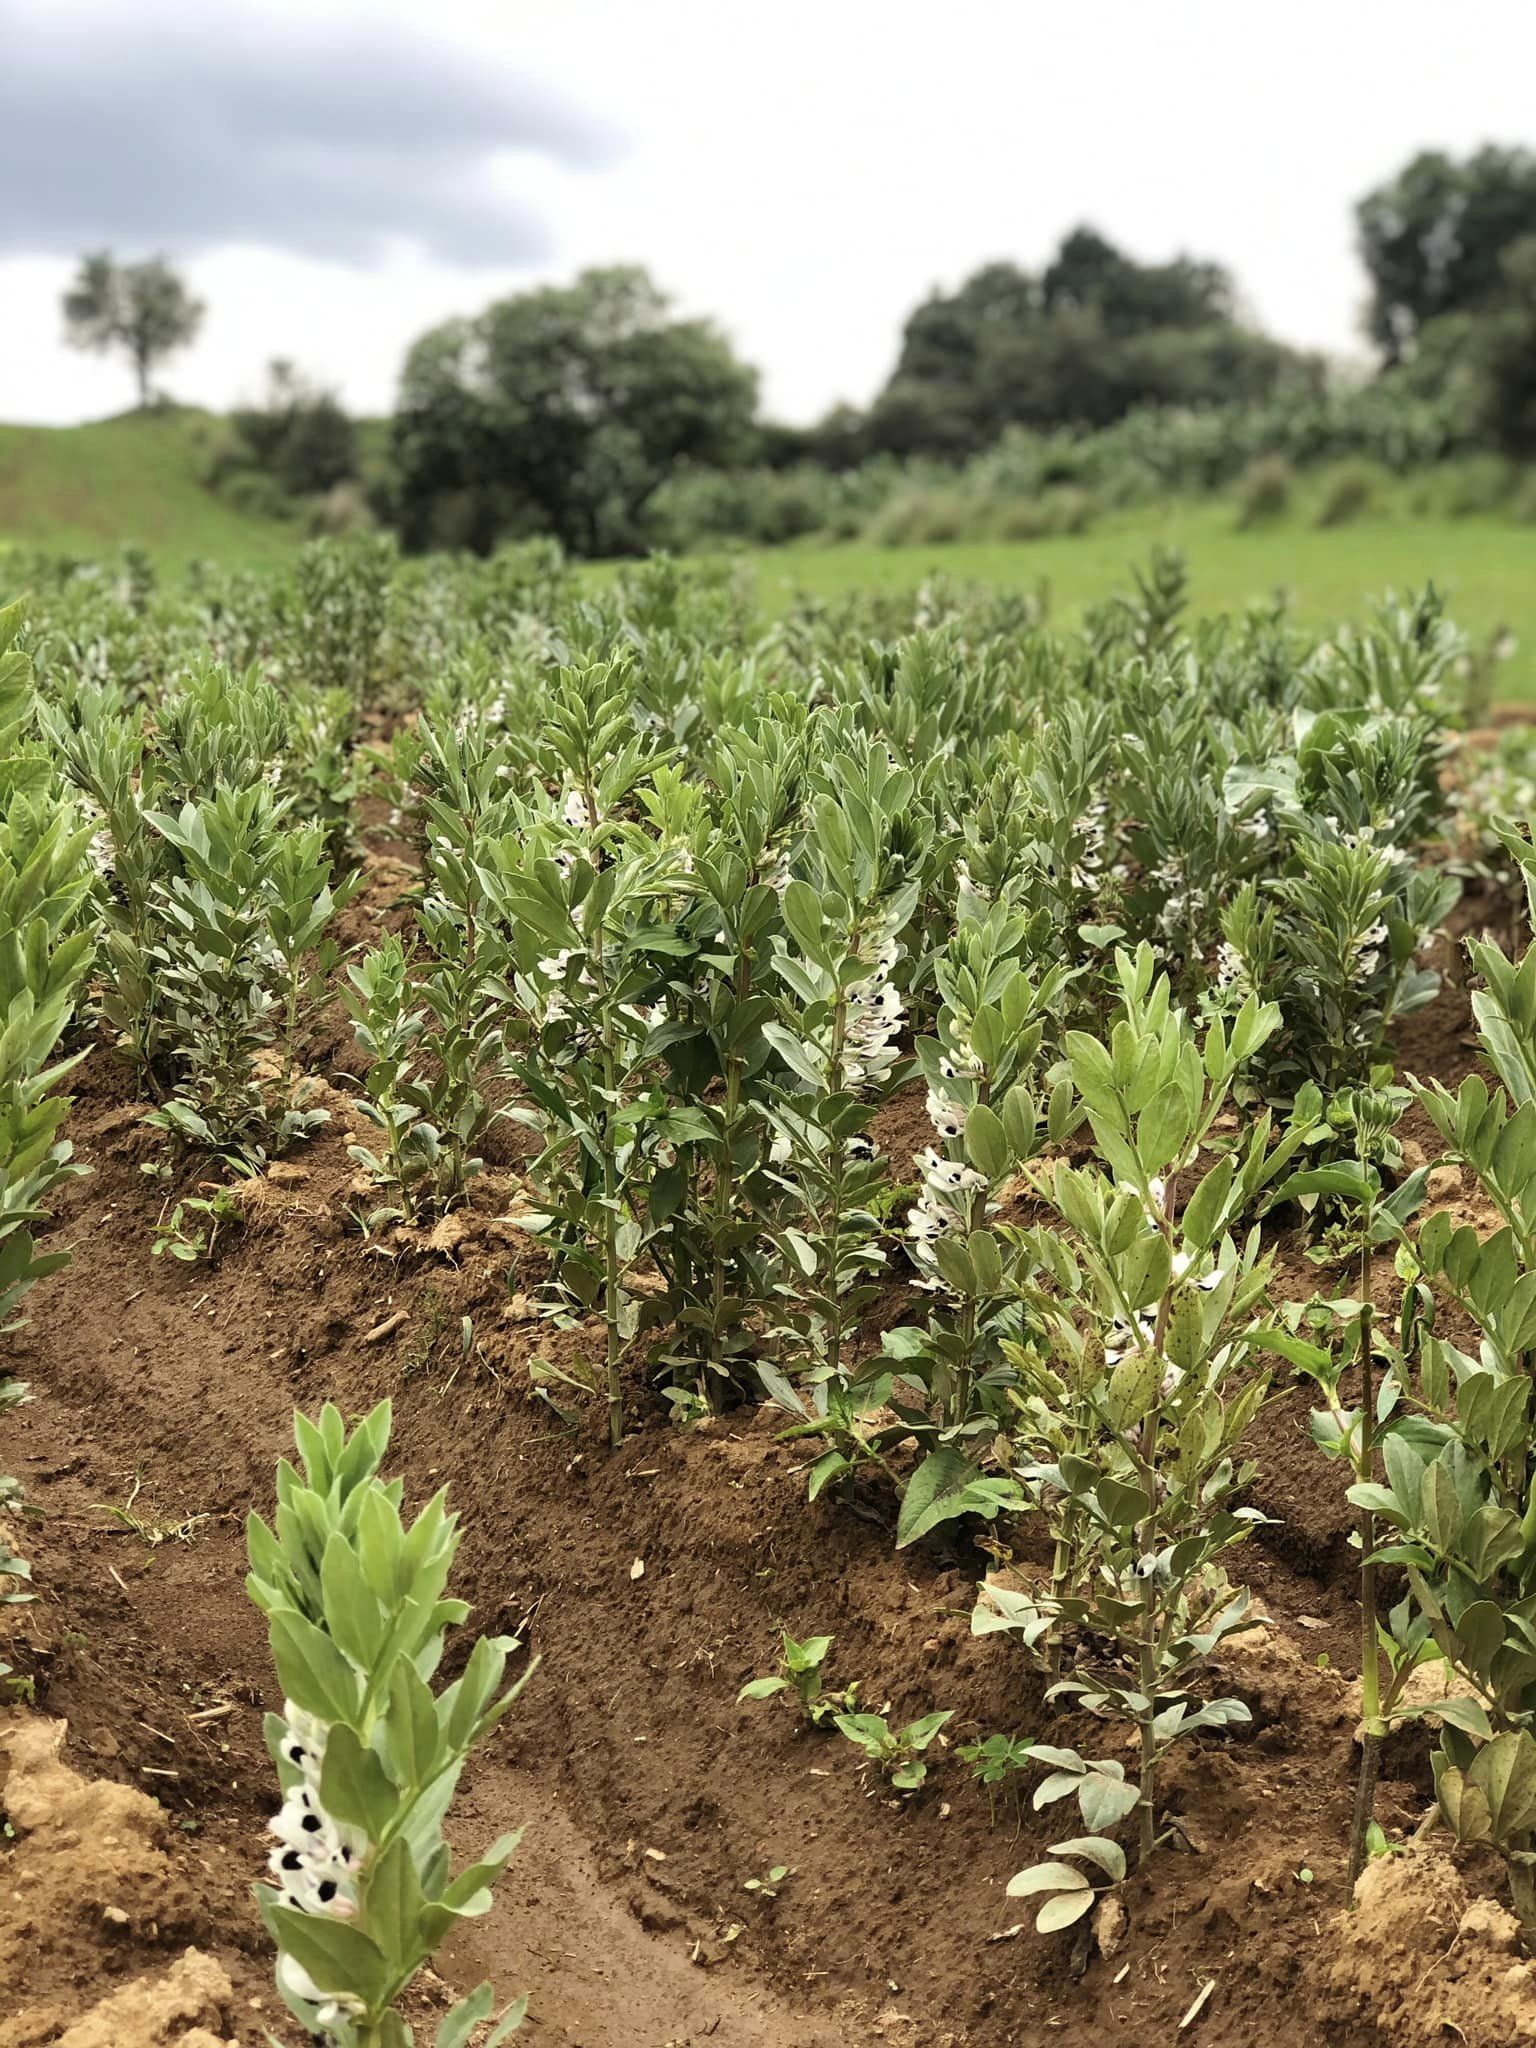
[324,139]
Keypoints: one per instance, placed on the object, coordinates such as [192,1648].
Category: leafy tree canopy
[1434,237]
[1091,338]
[563,409]
[144,309]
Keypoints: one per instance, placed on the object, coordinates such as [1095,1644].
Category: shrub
[1477,486]
[1347,496]
[343,511]
[1264,491]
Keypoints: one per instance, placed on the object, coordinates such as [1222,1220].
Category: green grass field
[138,478]
[1486,567]
[86,490]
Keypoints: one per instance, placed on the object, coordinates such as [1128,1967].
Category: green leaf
[471,2012]
[1109,1856]
[1504,1772]
[1133,1388]
[986,1261]
[459,2024]
[829,1466]
[353,1784]
[394,1901]
[1063,1911]
[338,1957]
[508,2024]
[1047,1877]
[944,1486]
[311,1670]
[1162,1128]
[803,918]
[1470,1715]
[1104,1801]
[986,1143]
[1343,1180]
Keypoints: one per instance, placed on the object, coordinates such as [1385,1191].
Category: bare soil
[165,1391]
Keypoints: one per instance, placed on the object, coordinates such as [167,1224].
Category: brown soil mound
[89,1886]
[1430,1961]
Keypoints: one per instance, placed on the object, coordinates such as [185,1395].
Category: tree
[143,308]
[1135,298]
[1433,239]
[1501,351]
[1096,335]
[563,408]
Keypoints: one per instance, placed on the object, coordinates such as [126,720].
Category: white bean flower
[947,1176]
[317,1859]
[333,2007]
[1368,949]
[946,1115]
[873,1020]
[927,1221]
[1183,1270]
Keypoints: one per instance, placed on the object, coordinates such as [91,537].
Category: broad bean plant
[367,1752]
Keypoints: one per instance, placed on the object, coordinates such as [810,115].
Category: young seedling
[769,1886]
[897,1753]
[800,1672]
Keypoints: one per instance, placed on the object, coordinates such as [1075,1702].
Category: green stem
[1146,1812]
[611,1248]
[725,1202]
[1373,1729]
[610,1196]
[1522,1892]
[831,1233]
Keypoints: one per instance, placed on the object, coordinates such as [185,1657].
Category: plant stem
[610,1200]
[832,1234]
[1522,1892]
[1147,1811]
[1372,1730]
[1365,1803]
[725,1203]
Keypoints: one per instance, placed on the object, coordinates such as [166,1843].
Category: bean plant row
[902,1013]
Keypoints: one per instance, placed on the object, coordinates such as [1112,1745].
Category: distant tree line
[566,409]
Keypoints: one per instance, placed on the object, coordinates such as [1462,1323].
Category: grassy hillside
[135,478]
[1486,567]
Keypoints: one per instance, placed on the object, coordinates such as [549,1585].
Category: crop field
[949,1188]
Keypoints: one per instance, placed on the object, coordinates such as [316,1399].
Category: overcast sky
[337,175]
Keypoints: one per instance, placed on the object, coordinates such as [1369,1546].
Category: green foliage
[562,409]
[1139,1382]
[1264,490]
[243,906]
[899,1754]
[1347,496]
[298,437]
[367,1754]
[47,939]
[1093,337]
[800,1672]
[1434,238]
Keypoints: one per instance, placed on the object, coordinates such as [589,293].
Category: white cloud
[805,173]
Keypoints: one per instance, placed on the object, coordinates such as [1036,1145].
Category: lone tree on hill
[142,308]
